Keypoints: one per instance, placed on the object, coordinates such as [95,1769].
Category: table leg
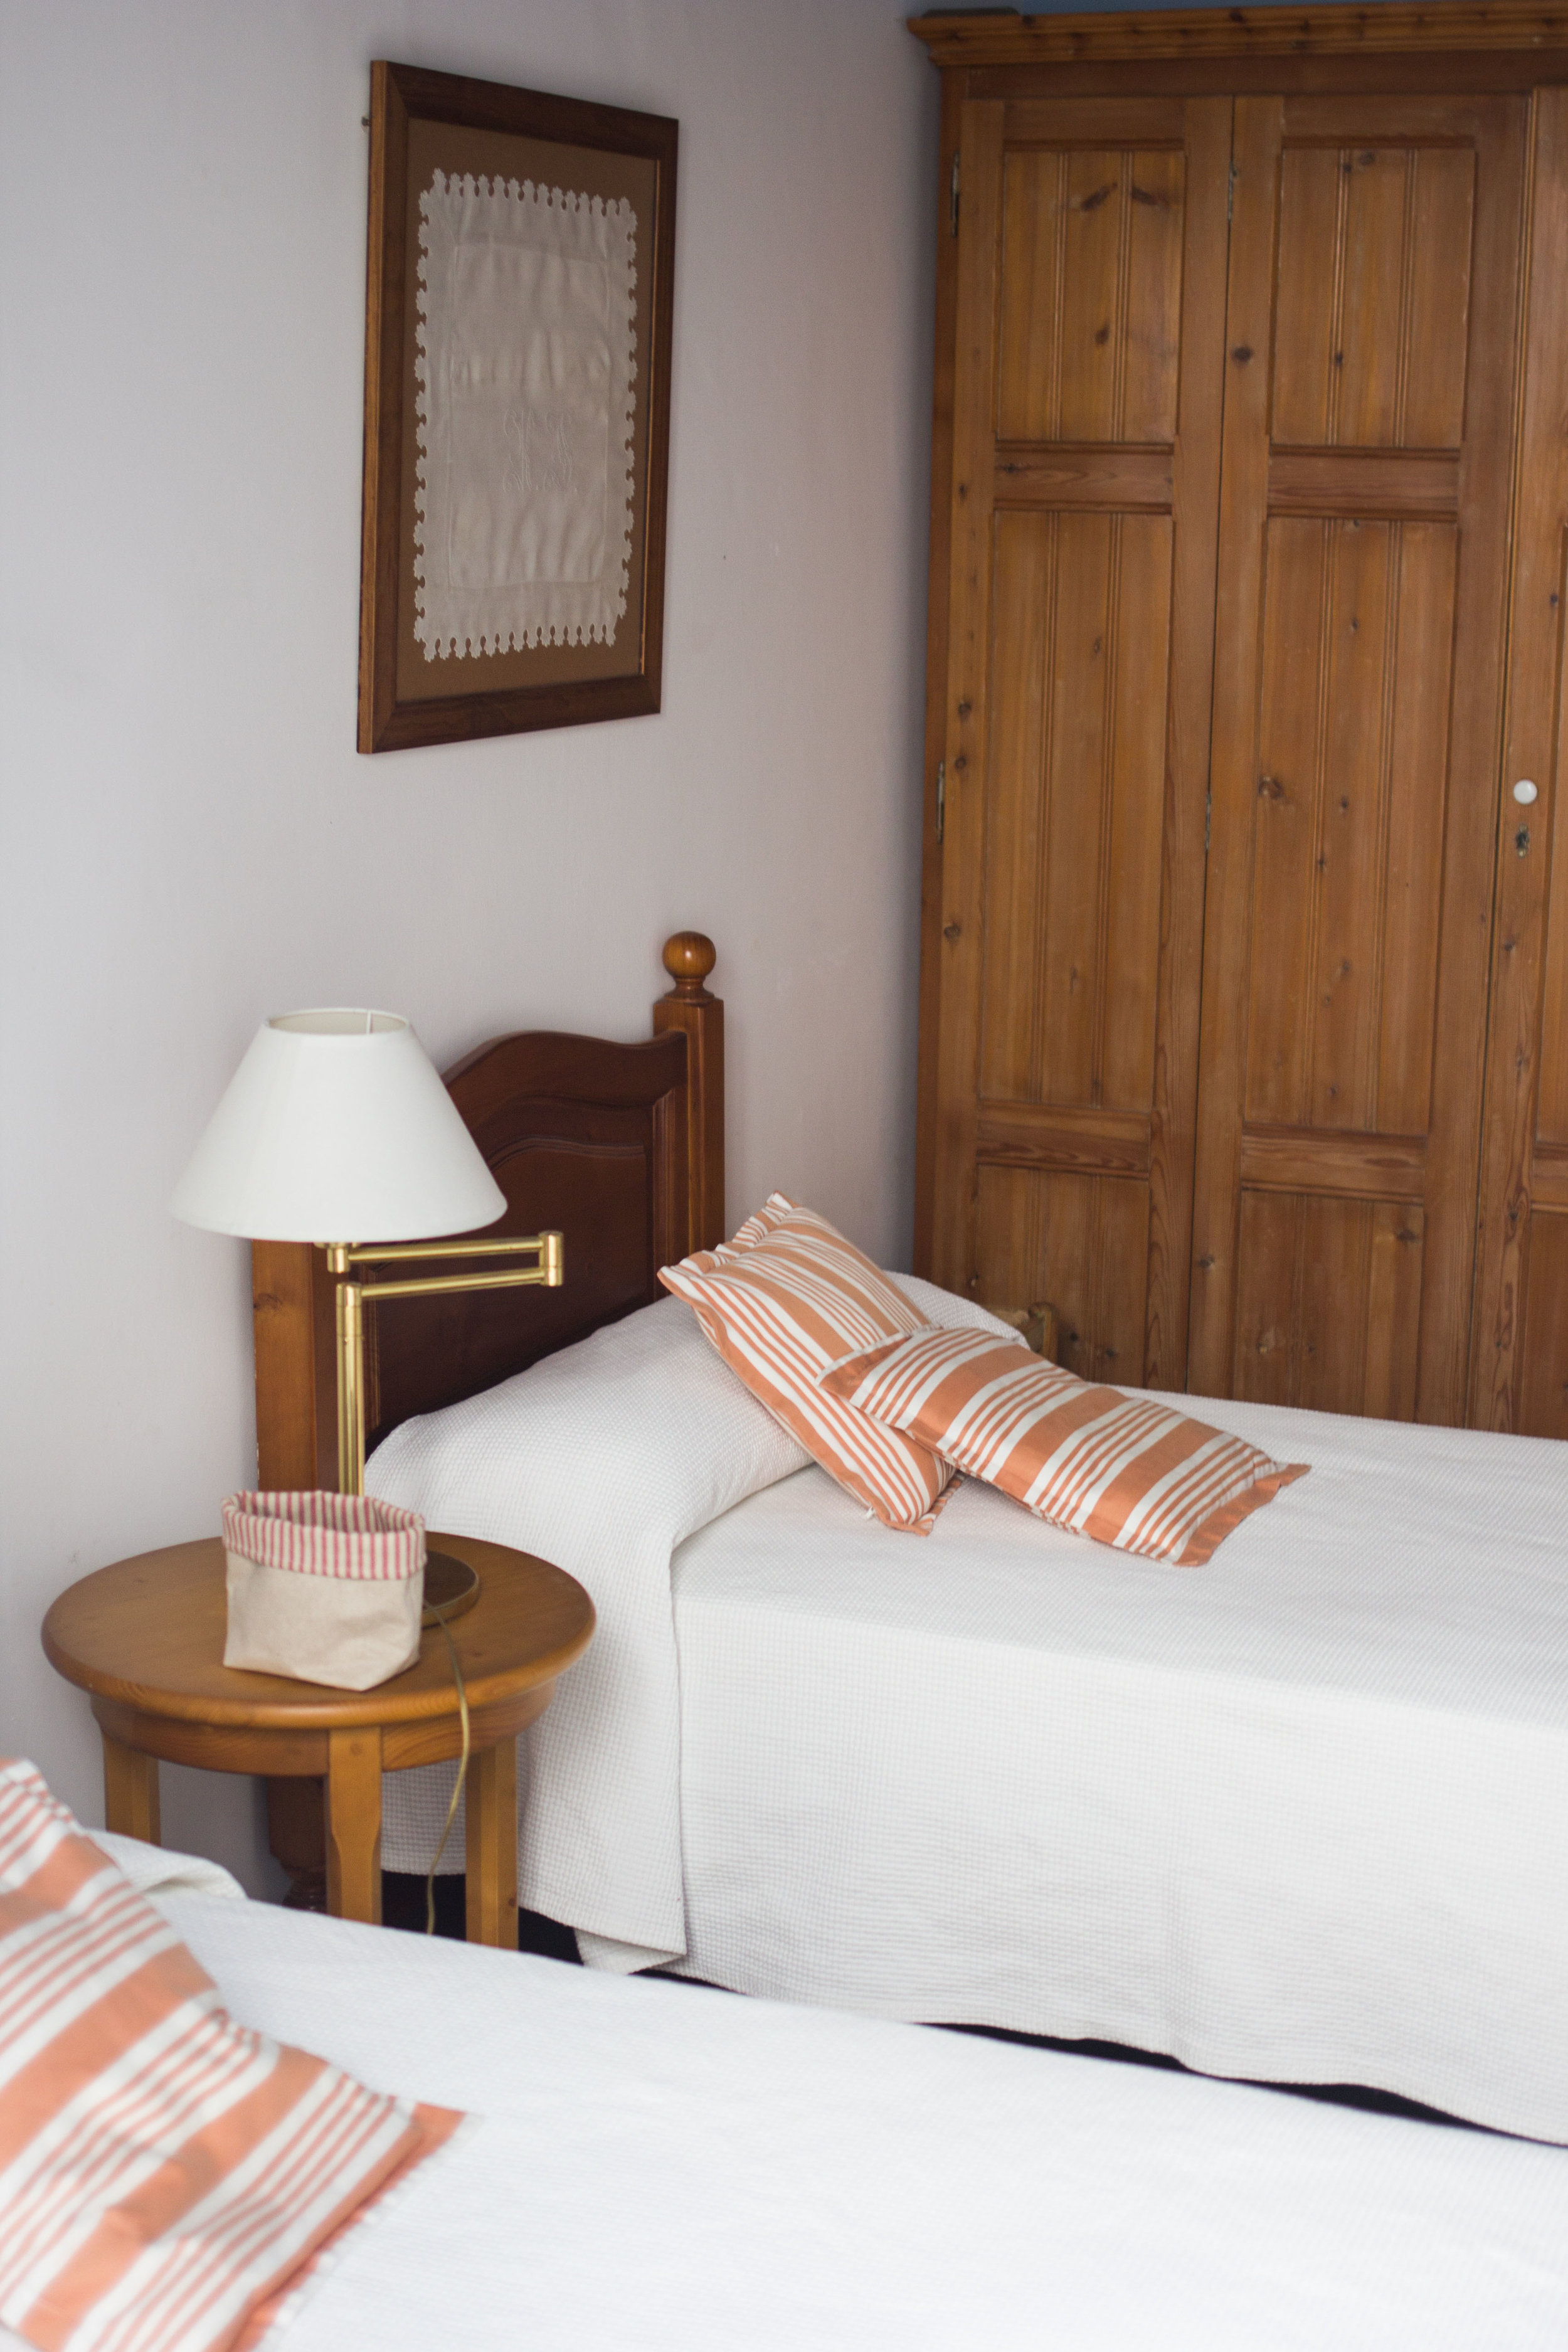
[297,1833]
[353,1824]
[131,1792]
[490,1795]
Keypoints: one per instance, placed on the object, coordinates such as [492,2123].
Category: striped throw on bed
[1130,1471]
[163,2172]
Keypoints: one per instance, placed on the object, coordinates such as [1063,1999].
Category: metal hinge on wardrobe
[940,801]
[953,197]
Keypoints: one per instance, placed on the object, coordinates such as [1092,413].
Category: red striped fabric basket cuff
[356,1537]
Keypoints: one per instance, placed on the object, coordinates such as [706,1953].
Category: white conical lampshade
[335,1127]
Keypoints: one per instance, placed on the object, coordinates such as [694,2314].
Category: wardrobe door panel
[1520,1362]
[1082,624]
[1084,497]
[1373,275]
[1353,692]
[1091,293]
[1301,1254]
[1368,434]
[1542,1406]
[1094,1232]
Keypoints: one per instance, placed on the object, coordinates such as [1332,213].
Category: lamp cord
[439,1614]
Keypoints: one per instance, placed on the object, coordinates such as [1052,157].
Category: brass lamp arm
[548,1247]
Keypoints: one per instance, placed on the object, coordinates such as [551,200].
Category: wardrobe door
[1085,494]
[1519,1374]
[1370,379]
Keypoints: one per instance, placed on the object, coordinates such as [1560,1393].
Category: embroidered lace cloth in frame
[526,356]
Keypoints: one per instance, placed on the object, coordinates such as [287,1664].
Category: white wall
[191,841]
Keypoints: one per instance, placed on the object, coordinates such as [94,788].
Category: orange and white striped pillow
[1126,1470]
[783,1302]
[164,2172]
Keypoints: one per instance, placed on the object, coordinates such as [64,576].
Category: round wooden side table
[145,1640]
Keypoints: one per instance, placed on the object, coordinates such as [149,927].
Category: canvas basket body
[325,1588]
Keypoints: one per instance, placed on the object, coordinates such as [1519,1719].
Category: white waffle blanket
[601,1459]
[662,2169]
[1298,1814]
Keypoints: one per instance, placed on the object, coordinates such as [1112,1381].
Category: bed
[657,2165]
[1296,1816]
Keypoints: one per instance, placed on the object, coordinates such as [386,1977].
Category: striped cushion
[785,1300]
[164,2172]
[1126,1470]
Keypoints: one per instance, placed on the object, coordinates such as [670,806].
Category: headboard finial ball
[688,958]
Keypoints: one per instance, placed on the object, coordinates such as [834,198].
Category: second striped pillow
[1130,1471]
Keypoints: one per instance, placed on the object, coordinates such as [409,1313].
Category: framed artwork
[517,410]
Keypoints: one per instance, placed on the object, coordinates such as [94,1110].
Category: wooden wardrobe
[1244,1032]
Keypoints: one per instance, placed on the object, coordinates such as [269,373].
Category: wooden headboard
[621,1147]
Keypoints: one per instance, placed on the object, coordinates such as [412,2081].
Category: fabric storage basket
[326,1587]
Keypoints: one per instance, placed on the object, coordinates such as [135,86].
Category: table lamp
[336,1130]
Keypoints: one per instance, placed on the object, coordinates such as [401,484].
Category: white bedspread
[1300,1814]
[665,2170]
[601,1459]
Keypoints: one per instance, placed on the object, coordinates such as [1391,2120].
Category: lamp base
[451,1585]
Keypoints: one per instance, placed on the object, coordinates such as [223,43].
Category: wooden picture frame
[519,301]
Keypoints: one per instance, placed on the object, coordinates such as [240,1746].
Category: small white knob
[1524,792]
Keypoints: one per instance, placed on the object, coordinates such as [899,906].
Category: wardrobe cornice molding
[1008,38]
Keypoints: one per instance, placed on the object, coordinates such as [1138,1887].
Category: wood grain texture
[1086,1237]
[936,700]
[1324,73]
[1131,116]
[148,1634]
[1185,837]
[1065,1136]
[296,1369]
[1488,480]
[1090,294]
[692,1009]
[1079,698]
[1259,136]
[1374,292]
[1541,1409]
[1372,309]
[1079,603]
[353,1823]
[273,1755]
[491,1813]
[1271,34]
[1386,1167]
[435,1740]
[1549,1177]
[967,674]
[1371,484]
[1370,352]
[1301,1257]
[1518,1359]
[131,1794]
[282,1756]
[1121,480]
[1348,824]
